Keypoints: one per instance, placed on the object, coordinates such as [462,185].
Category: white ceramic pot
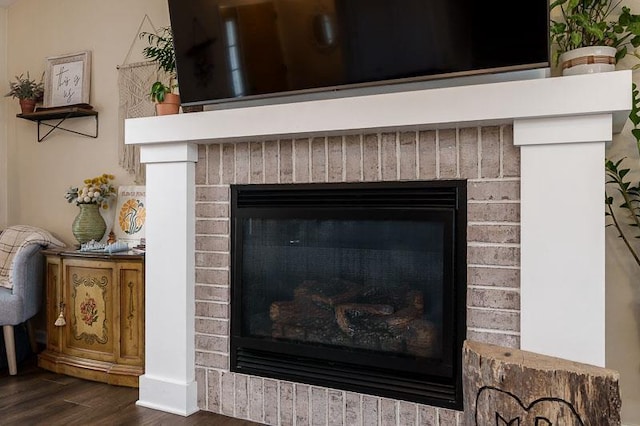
[588,60]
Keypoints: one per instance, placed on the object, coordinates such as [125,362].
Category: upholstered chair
[21,281]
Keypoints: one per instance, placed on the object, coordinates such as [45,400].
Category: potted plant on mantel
[161,51]
[591,36]
[620,37]
[27,91]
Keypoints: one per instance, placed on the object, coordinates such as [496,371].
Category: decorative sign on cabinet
[95,316]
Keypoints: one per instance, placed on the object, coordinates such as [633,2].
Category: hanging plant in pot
[591,35]
[161,51]
[94,194]
[27,91]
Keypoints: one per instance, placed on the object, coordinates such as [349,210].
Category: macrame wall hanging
[134,84]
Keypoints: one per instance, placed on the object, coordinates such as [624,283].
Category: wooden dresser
[95,316]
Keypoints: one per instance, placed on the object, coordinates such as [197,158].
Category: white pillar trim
[169,380]
[562,279]
[560,130]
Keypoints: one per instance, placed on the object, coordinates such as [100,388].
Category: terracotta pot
[27,105]
[170,105]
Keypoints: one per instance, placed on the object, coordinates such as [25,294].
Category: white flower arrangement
[97,190]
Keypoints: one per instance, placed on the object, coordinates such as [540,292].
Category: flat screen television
[250,49]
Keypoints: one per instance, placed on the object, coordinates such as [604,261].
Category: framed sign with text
[67,79]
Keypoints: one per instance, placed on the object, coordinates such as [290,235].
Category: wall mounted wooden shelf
[61,114]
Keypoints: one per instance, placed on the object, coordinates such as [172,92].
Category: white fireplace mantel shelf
[561,125]
[494,103]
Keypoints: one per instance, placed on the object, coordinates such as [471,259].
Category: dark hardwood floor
[39,397]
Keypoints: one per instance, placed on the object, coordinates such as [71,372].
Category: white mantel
[561,125]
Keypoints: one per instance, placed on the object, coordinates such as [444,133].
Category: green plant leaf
[158,91]
[557,3]
[576,39]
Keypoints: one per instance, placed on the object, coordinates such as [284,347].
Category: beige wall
[39,173]
[3,122]
[34,176]
[623,293]
[623,281]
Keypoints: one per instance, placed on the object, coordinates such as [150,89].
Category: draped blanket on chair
[16,237]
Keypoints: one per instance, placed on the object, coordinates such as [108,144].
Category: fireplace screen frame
[422,380]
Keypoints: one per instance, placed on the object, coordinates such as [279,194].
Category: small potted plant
[591,36]
[27,91]
[166,101]
[161,51]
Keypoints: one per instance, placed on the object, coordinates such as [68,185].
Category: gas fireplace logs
[345,313]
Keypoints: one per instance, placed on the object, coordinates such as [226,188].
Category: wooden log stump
[504,386]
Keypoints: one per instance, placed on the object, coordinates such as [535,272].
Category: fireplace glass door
[355,280]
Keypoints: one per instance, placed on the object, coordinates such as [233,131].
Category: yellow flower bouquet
[97,190]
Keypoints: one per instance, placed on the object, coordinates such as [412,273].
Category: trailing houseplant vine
[617,178]
[631,203]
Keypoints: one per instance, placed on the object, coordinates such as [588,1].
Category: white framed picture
[67,79]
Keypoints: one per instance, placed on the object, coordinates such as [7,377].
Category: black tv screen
[247,49]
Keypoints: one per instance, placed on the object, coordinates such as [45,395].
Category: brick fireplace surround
[519,144]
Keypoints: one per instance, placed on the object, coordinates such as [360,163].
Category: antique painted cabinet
[95,316]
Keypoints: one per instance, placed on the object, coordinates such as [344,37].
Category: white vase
[588,60]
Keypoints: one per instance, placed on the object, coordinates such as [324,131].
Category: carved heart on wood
[497,407]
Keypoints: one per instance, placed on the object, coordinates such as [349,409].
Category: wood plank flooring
[39,397]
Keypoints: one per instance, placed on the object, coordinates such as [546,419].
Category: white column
[563,225]
[168,383]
